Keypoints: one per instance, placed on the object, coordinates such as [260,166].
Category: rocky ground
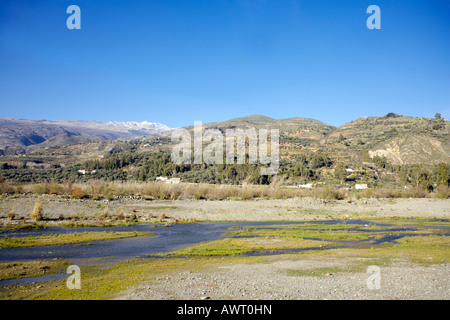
[204,210]
[277,280]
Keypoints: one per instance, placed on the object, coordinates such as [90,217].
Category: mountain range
[23,133]
[401,139]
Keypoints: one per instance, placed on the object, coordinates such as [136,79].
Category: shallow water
[178,236]
[165,239]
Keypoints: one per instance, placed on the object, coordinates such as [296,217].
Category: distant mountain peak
[138,125]
[21,132]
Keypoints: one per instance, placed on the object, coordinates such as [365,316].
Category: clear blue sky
[174,61]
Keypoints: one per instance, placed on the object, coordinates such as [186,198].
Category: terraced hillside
[401,139]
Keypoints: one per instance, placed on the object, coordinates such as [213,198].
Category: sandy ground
[204,210]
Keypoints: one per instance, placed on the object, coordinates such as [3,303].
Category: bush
[6,187]
[55,188]
[443,192]
[11,215]
[105,214]
[328,193]
[37,214]
[248,192]
[121,215]
[283,193]
[79,193]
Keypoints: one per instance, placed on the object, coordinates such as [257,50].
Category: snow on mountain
[139,125]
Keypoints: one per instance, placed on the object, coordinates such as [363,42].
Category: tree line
[130,165]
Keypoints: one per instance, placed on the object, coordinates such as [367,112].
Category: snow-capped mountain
[138,125]
[21,132]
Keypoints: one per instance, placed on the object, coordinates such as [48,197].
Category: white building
[169,180]
[87,172]
[361,186]
[174,180]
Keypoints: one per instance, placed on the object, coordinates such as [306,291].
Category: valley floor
[416,268]
[59,208]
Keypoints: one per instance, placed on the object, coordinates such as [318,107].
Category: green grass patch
[27,269]
[221,247]
[423,249]
[325,234]
[413,221]
[239,246]
[66,238]
[306,226]
[102,283]
[431,249]
[27,226]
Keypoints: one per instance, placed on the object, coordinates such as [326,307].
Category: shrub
[443,192]
[37,214]
[328,193]
[121,215]
[105,214]
[6,187]
[41,188]
[283,193]
[79,193]
[55,188]
[415,193]
[11,215]
[133,218]
[248,193]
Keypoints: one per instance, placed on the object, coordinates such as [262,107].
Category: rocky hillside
[401,139]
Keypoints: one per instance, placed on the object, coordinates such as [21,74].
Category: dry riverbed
[56,208]
[414,268]
[300,278]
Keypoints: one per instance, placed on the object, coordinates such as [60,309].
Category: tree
[421,177]
[438,115]
[443,174]
[340,172]
[301,170]
[403,175]
[380,161]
